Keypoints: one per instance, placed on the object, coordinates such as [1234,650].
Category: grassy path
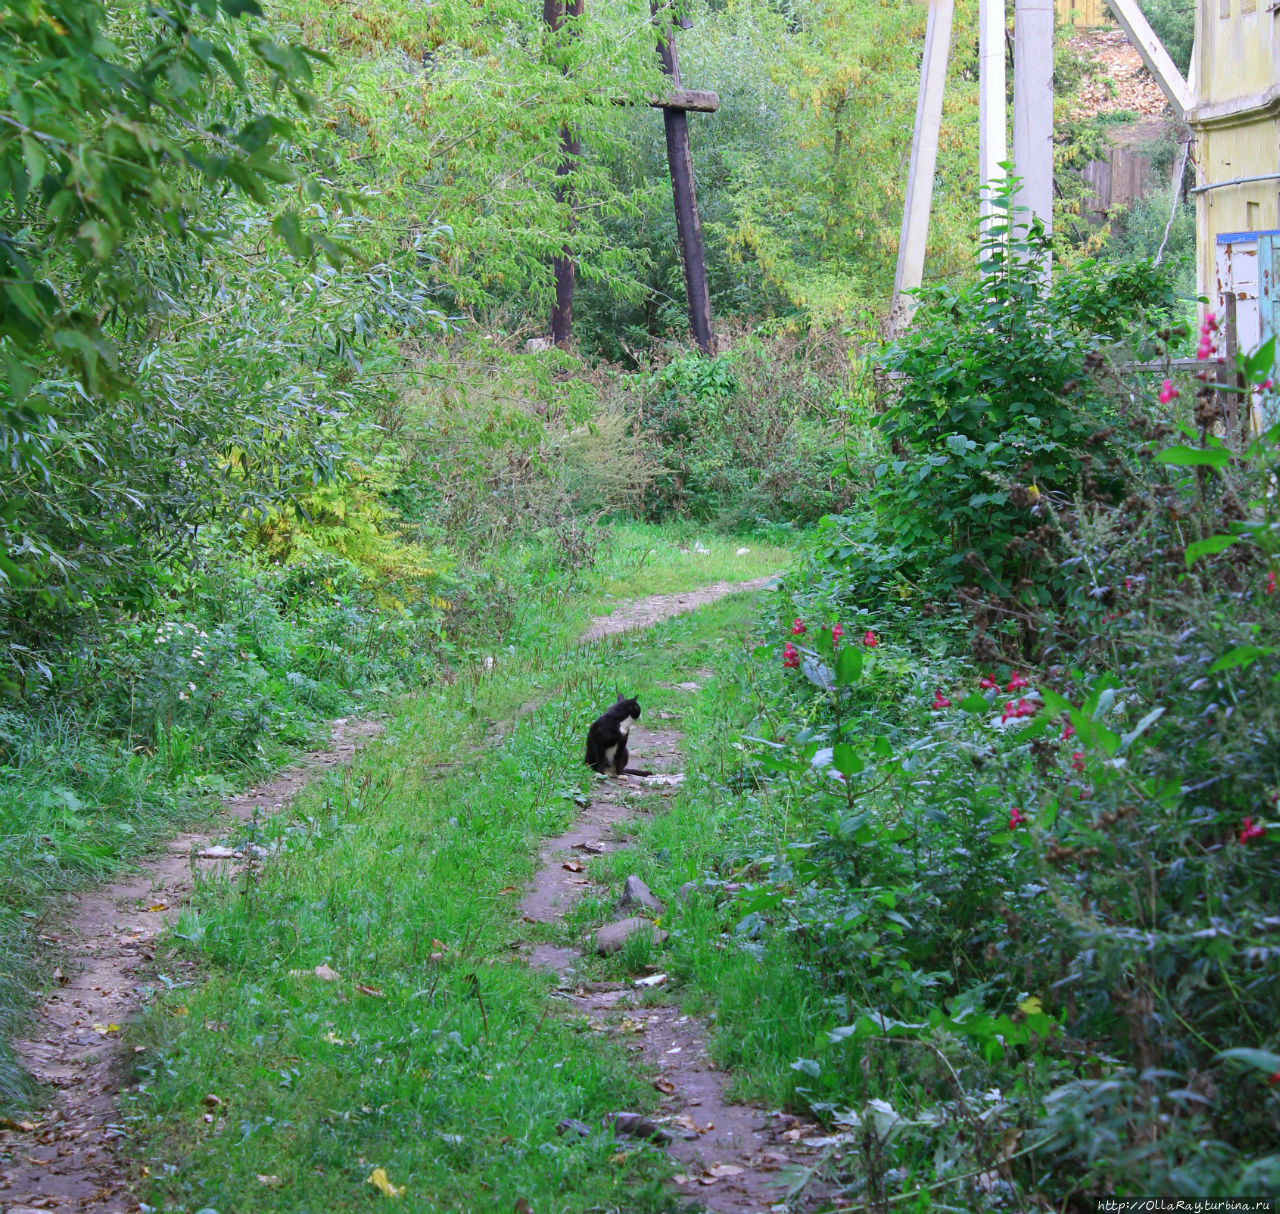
[354,1009]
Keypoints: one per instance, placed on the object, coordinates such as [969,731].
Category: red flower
[988,683]
[1068,731]
[869,639]
[836,633]
[1077,760]
[798,629]
[1274,1078]
[1271,583]
[1250,829]
[940,701]
[1267,384]
[1023,708]
[790,656]
[1015,681]
[1168,392]
[1016,818]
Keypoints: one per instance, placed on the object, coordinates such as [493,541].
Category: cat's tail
[634,771]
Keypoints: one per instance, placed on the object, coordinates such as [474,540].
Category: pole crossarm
[1165,72]
[697,101]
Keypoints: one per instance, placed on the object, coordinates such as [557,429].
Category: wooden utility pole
[688,226]
[1033,109]
[992,120]
[924,163]
[553,13]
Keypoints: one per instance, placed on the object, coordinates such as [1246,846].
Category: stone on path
[611,938]
[636,895]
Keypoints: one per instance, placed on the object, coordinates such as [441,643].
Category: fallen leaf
[60,977]
[719,1170]
[158,906]
[792,1135]
[651,980]
[665,1086]
[507,889]
[572,865]
[680,1178]
[105,1030]
[212,1101]
[332,1038]
[181,1010]
[216,853]
[324,973]
[8,1123]
[685,1122]
[382,1182]
[619,1158]
[272,1182]
[372,991]
[627,1025]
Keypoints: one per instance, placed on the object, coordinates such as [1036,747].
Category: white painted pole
[992,121]
[1033,108]
[924,162]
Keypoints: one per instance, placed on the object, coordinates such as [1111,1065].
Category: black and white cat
[607,738]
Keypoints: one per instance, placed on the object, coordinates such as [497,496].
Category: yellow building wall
[1236,124]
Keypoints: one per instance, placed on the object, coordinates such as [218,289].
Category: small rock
[636,1125]
[687,890]
[571,1125]
[536,344]
[700,550]
[611,938]
[636,894]
[743,551]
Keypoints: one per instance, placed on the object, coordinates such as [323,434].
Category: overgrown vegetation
[985,873]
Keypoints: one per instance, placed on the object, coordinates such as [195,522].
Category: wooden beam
[700,101]
[993,127]
[688,225]
[1162,68]
[924,162]
[1033,109]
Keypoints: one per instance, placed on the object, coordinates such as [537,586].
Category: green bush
[759,433]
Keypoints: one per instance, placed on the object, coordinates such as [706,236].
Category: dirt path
[106,966]
[731,1154]
[643,613]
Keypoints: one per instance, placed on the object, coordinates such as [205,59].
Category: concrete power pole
[924,163]
[992,120]
[1033,109]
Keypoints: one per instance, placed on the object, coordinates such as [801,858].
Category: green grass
[450,1074]
[662,560]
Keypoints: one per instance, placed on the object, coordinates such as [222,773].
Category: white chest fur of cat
[624,728]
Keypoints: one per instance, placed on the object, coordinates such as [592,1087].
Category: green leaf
[288,226]
[848,665]
[1195,457]
[1215,543]
[1262,1060]
[846,760]
[1258,365]
[1241,655]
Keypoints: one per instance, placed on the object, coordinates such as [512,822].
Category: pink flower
[988,683]
[1023,708]
[869,639]
[836,633]
[797,628]
[790,657]
[1249,829]
[1068,731]
[1274,1078]
[1128,583]
[1016,818]
[1271,583]
[1168,392]
[1077,761]
[1266,385]
[1015,681]
[940,701]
